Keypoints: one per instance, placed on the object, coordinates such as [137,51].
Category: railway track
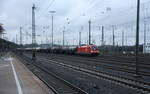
[113,65]
[128,59]
[57,84]
[132,83]
[117,59]
[113,70]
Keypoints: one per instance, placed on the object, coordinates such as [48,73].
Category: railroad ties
[95,67]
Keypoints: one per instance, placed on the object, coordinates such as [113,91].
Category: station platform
[15,78]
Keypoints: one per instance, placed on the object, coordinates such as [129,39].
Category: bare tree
[1,29]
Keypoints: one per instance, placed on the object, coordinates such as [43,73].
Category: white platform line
[3,66]
[16,78]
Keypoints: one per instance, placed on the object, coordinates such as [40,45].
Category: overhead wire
[40,15]
[43,12]
[73,20]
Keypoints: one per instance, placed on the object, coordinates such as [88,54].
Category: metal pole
[144,37]
[79,38]
[63,37]
[113,40]
[102,36]
[21,46]
[122,41]
[122,38]
[20,36]
[52,12]
[89,32]
[33,33]
[16,39]
[52,30]
[46,39]
[26,37]
[113,36]
[137,37]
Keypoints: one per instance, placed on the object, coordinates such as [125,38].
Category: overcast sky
[16,13]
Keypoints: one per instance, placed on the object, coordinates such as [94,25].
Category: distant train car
[91,50]
[65,49]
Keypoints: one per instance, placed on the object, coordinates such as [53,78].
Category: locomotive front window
[94,48]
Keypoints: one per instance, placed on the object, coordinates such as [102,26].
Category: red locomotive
[91,50]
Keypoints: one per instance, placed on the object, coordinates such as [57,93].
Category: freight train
[90,50]
[85,50]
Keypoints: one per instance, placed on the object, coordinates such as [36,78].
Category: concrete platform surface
[15,78]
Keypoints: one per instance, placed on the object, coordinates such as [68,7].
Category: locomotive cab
[90,50]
